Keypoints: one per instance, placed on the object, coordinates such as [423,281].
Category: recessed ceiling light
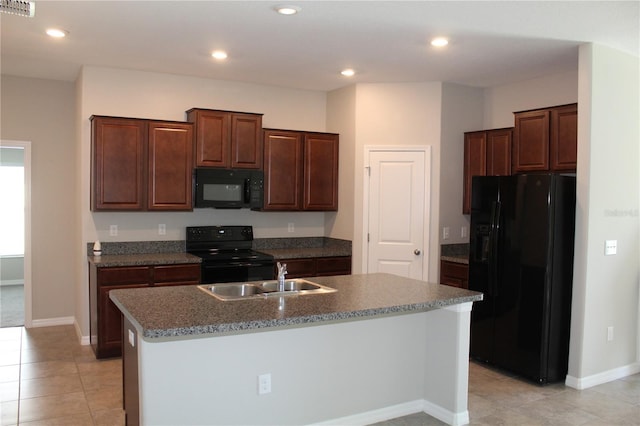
[348,72]
[56,33]
[219,54]
[439,42]
[287,10]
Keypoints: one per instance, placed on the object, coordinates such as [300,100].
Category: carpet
[11,305]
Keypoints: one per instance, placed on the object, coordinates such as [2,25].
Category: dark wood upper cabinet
[139,165]
[119,151]
[282,170]
[564,138]
[486,153]
[301,170]
[170,166]
[320,171]
[227,139]
[546,140]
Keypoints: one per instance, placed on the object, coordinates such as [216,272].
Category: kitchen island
[380,347]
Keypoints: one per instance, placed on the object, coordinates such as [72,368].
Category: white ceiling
[492,43]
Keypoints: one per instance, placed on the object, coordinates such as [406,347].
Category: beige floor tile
[49,407]
[97,381]
[113,417]
[10,333]
[106,398]
[30,355]
[38,370]
[9,391]
[53,385]
[109,366]
[9,373]
[75,420]
[9,357]
[9,413]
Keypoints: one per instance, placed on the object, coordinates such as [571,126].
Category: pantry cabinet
[106,319]
[546,139]
[139,165]
[486,153]
[227,139]
[301,170]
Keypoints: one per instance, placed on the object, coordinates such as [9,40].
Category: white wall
[501,102]
[105,91]
[398,114]
[605,288]
[41,111]
[462,111]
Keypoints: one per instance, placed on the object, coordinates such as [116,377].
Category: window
[12,210]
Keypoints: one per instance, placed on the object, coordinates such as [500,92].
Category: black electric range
[227,254]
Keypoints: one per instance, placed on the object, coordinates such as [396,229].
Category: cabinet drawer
[176,273]
[333,266]
[124,275]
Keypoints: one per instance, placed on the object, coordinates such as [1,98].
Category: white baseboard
[51,322]
[84,340]
[581,383]
[379,415]
[401,410]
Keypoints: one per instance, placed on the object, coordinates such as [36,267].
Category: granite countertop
[305,247]
[114,260]
[457,253]
[186,311]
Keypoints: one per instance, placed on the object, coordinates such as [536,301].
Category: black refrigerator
[521,258]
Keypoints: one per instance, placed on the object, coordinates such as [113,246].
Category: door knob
[417,252]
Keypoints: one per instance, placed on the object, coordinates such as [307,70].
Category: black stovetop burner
[227,254]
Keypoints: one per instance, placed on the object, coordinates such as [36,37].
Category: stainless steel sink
[243,291]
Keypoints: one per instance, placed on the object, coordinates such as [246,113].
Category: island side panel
[448,336]
[371,369]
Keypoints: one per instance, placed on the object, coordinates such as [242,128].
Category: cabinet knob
[417,252]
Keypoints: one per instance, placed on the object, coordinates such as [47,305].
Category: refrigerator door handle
[494,234]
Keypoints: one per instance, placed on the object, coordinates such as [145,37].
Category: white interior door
[397,199]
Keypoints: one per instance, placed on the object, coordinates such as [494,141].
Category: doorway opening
[15,223]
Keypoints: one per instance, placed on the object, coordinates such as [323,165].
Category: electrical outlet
[113,230]
[610,334]
[291,227]
[445,233]
[162,229]
[264,384]
[463,232]
[610,247]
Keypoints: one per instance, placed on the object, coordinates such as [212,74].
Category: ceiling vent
[18,7]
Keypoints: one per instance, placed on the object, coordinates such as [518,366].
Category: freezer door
[485,195]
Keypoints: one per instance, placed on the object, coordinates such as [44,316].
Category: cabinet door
[246,141]
[212,137]
[499,152]
[320,172]
[475,163]
[564,138]
[282,170]
[454,274]
[118,166]
[110,323]
[170,166]
[531,141]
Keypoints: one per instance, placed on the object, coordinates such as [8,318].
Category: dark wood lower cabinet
[105,317]
[317,266]
[454,274]
[130,393]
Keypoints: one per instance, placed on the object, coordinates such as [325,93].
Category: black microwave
[228,188]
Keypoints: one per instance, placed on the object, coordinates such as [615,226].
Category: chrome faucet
[282,271]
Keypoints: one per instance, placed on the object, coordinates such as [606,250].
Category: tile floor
[48,378]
